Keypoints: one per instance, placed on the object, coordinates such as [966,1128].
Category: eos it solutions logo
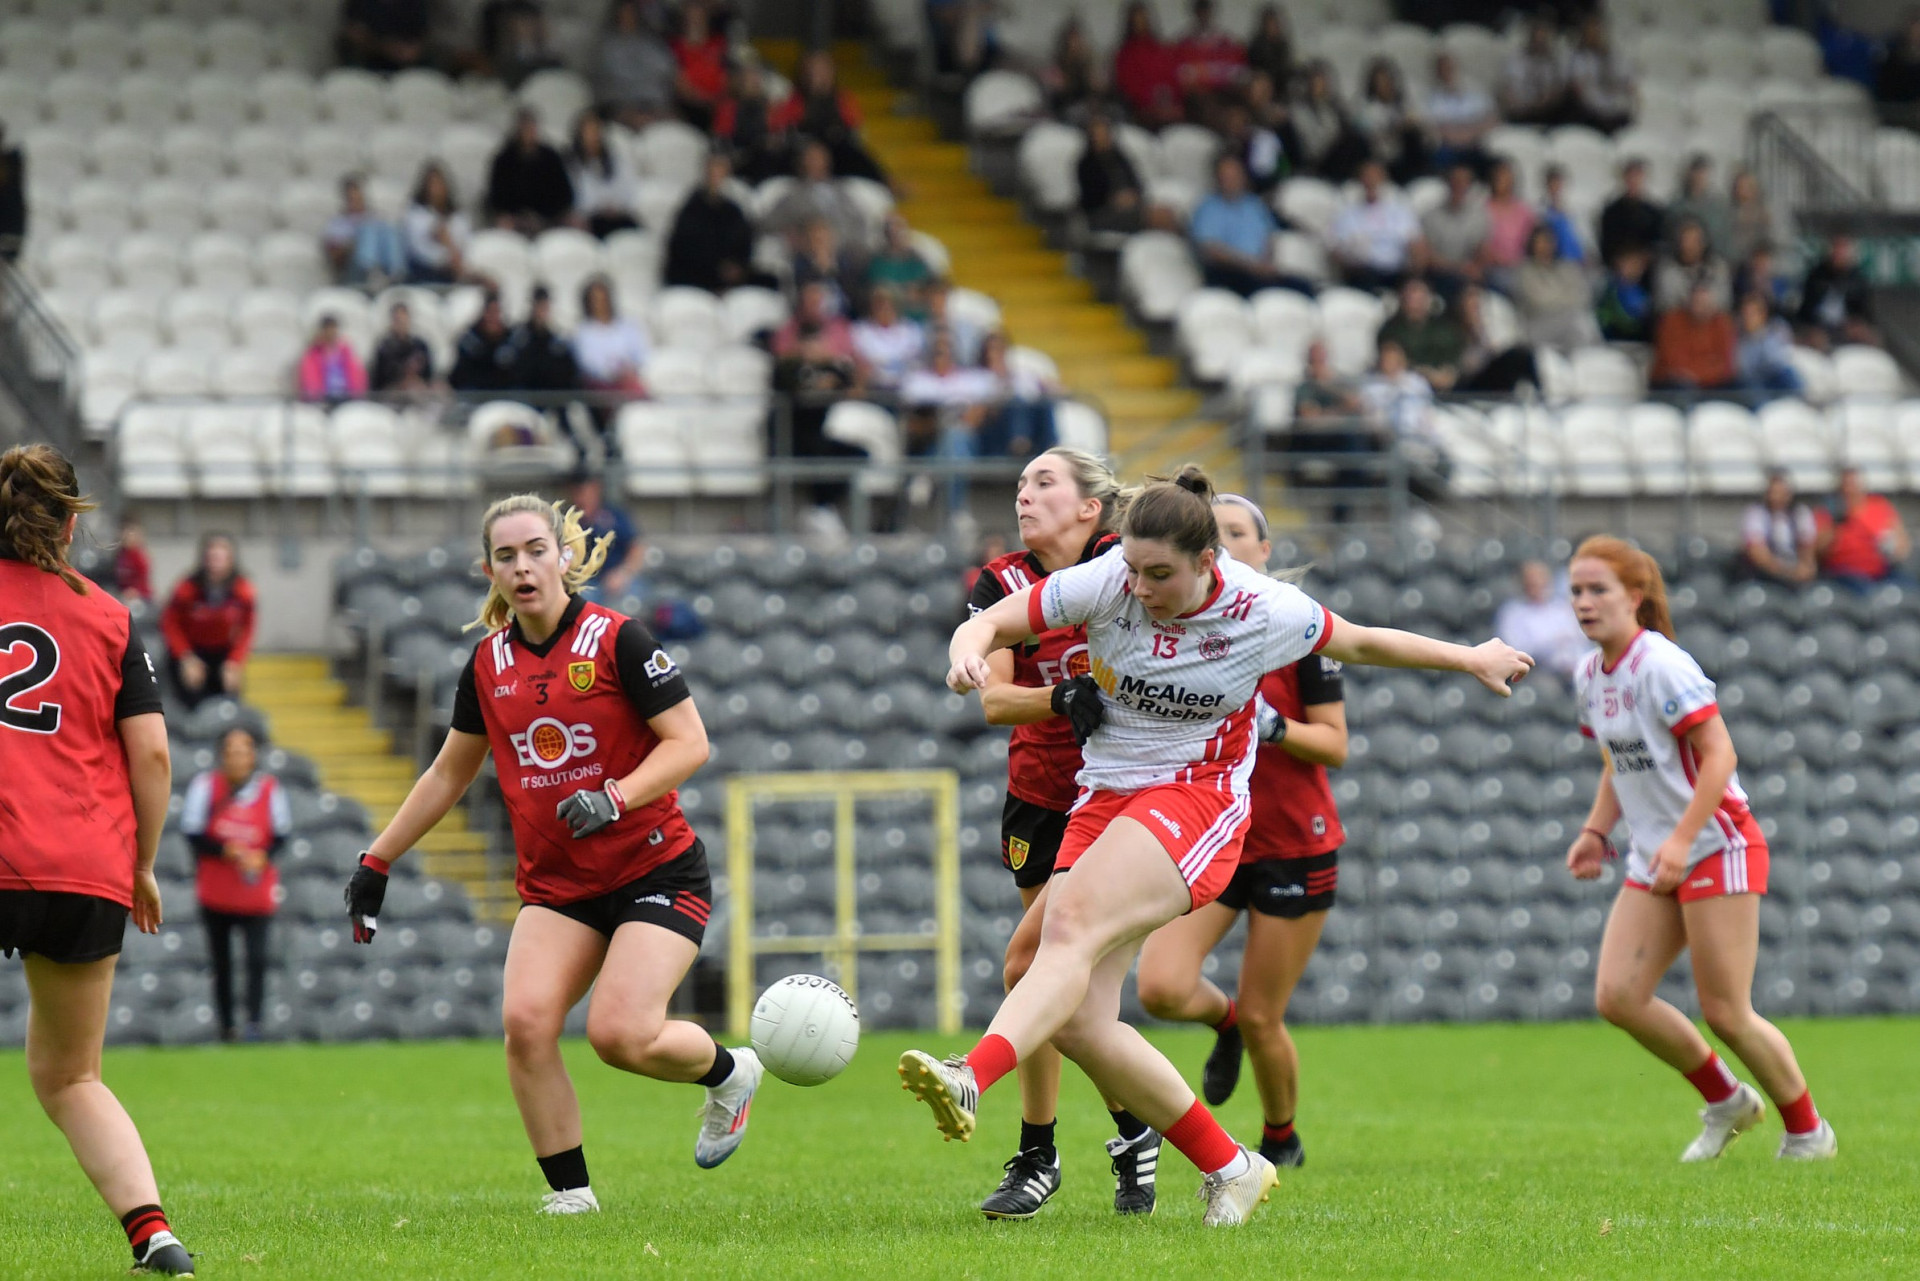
[549,744]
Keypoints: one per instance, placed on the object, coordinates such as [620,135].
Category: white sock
[1236,1167]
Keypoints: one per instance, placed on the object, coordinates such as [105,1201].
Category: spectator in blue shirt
[1554,216]
[621,576]
[1232,233]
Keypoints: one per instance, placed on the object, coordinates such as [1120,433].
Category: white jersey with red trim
[1640,710]
[1179,693]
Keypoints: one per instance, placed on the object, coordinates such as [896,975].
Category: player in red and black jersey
[1285,882]
[83,750]
[592,730]
[1065,506]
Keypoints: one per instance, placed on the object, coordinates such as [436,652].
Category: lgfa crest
[580,676]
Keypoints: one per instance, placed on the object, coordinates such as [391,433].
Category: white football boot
[1816,1144]
[1723,1122]
[724,1118]
[948,1088]
[571,1201]
[1230,1201]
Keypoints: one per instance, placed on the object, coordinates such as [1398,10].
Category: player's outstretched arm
[1493,663]
[150,767]
[1005,703]
[432,795]
[1004,623]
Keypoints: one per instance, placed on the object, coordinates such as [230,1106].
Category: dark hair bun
[1194,479]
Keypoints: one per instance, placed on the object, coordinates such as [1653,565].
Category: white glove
[1269,724]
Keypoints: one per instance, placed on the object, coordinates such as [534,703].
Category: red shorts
[1741,870]
[1201,828]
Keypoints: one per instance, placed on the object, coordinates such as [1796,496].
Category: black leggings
[220,928]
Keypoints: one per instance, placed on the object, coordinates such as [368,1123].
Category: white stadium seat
[98,207]
[1048,155]
[1285,319]
[127,319]
[217,100]
[167,47]
[1214,326]
[999,102]
[1309,203]
[728,449]
[467,150]
[220,260]
[1079,426]
[226,457]
[305,204]
[238,46]
[869,427]
[79,100]
[172,372]
[689,318]
[677,373]
[564,258]
[240,207]
[1605,373]
[368,449]
[293,447]
[738,370]
[421,99]
[123,155]
[80,264]
[331,151]
[194,154]
[1791,54]
[262,154]
[557,97]
[750,310]
[1865,371]
[1725,448]
[289,260]
[250,372]
[1349,321]
[511,439]
[1796,436]
[972,307]
[398,151]
[1657,437]
[19,100]
[150,449]
[286,100]
[149,262]
[97,47]
[671,150]
[150,103]
[933,253]
[1594,451]
[653,448]
[1157,271]
[30,45]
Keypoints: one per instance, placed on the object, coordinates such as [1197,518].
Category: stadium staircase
[1044,304]
[307,711]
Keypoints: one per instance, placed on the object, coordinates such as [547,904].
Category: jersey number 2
[41,719]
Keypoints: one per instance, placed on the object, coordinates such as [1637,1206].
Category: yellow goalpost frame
[846,943]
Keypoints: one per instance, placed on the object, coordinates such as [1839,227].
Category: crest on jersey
[580,676]
[1017,850]
[1215,646]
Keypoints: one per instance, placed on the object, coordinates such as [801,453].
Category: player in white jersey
[1696,863]
[1179,635]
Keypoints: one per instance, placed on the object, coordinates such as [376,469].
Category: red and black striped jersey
[1293,811]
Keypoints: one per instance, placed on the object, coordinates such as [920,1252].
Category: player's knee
[1261,1022]
[1727,1016]
[1019,959]
[624,1044]
[51,1079]
[1616,1003]
[528,1027]
[1163,996]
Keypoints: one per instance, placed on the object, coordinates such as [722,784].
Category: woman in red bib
[236,819]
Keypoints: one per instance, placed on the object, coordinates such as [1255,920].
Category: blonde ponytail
[579,562]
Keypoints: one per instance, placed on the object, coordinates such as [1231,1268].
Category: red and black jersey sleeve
[652,681]
[139,686]
[988,591]
[466,700]
[1320,681]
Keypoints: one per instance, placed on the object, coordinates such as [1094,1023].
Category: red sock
[1232,1020]
[1713,1080]
[1800,1115]
[1271,1133]
[1201,1140]
[141,1223]
[992,1059]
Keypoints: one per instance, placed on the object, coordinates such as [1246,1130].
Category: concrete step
[285,667]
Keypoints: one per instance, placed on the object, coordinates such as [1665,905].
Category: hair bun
[1194,479]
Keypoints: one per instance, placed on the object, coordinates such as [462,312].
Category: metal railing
[39,363]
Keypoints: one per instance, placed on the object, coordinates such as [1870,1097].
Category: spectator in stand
[1267,108]
[968,338]
[402,361]
[887,344]
[1630,218]
[1394,137]
[1261,151]
[1270,52]
[1553,296]
[609,350]
[1322,393]
[1022,423]
[1232,231]
[1699,202]
[1836,300]
[1694,347]
[627,555]
[1896,81]
[436,231]
[1458,115]
[1765,352]
[383,35]
[516,41]
[528,189]
[702,54]
[819,109]
[1376,239]
[1510,220]
[1749,220]
[1603,94]
[132,568]
[1329,418]
[1691,263]
[1401,402]
[330,372]
[964,40]
[480,357]
[1540,619]
[1757,275]
[1330,146]
[822,259]
[899,268]
[1146,70]
[711,244]
[13,198]
[815,332]
[1073,79]
[744,123]
[1111,196]
[634,72]
[537,358]
[236,818]
[1430,340]
[1534,82]
[816,365]
[362,247]
[208,625]
[1568,242]
[1488,365]
[604,185]
[1456,233]
[1625,309]
[1777,536]
[946,404]
[816,197]
[1212,63]
[1861,540]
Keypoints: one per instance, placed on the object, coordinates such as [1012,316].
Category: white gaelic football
[805,1029]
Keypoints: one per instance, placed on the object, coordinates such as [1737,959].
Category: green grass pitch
[1486,1151]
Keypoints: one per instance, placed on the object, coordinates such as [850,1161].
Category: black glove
[1079,701]
[589,810]
[366,894]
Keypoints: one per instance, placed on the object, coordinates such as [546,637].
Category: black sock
[1036,1136]
[1130,1126]
[565,1170]
[722,1067]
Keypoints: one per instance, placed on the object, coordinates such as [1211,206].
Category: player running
[1696,862]
[1285,882]
[83,747]
[1065,504]
[591,729]
[1178,638]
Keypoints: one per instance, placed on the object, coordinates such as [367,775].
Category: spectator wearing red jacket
[1211,62]
[818,108]
[702,54]
[1146,70]
[132,570]
[208,624]
[1694,346]
[1861,540]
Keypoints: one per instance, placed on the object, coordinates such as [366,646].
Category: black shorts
[1285,887]
[1029,838]
[71,929]
[677,896]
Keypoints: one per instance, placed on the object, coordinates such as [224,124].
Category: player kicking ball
[592,729]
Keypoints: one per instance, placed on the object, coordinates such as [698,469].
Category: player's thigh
[1643,938]
[1172,955]
[1723,936]
[67,1018]
[1124,887]
[1278,949]
[1101,1006]
[551,962]
[644,964]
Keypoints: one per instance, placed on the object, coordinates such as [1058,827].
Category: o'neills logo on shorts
[1167,823]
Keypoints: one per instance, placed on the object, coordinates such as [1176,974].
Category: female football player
[591,730]
[83,749]
[1065,505]
[1285,882]
[1696,861]
[1178,639]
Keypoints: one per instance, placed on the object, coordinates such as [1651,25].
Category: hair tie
[1247,505]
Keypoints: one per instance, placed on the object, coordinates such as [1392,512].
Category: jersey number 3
[43,718]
